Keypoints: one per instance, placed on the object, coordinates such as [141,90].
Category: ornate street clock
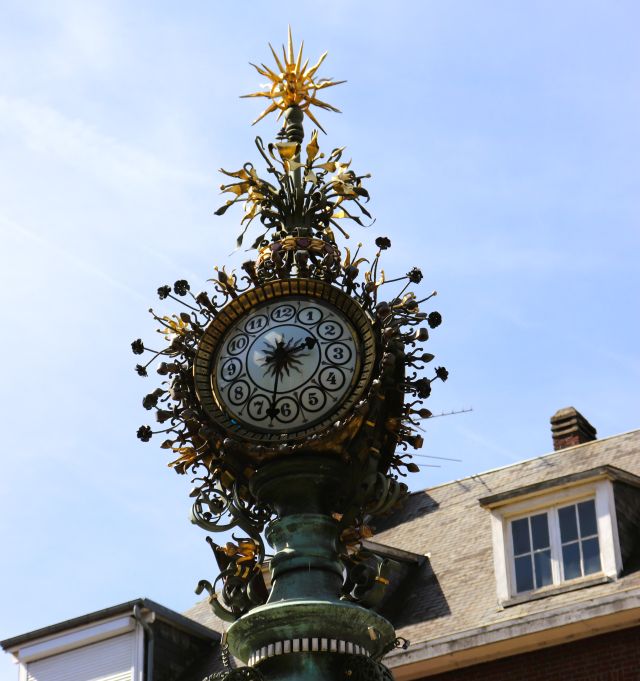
[285,361]
[291,392]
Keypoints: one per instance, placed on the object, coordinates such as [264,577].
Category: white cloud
[47,131]
[55,251]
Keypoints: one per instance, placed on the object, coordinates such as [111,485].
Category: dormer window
[556,535]
[557,545]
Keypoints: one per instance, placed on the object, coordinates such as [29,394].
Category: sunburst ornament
[294,85]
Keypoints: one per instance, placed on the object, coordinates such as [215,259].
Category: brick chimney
[569,427]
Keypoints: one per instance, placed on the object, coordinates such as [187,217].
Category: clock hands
[281,357]
[272,412]
[308,343]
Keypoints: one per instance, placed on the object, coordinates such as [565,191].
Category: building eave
[177,620]
[393,553]
[518,635]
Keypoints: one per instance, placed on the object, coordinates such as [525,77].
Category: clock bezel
[204,370]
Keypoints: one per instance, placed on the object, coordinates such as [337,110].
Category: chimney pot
[569,428]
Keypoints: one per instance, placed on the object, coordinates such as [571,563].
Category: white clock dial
[286,365]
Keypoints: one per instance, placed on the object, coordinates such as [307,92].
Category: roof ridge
[518,463]
[176,618]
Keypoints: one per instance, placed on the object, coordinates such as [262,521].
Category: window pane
[571,561]
[587,515]
[568,525]
[542,563]
[591,556]
[520,534]
[540,531]
[524,574]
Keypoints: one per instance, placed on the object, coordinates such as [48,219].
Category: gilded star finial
[293,83]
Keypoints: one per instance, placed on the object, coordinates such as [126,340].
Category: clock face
[289,365]
[286,365]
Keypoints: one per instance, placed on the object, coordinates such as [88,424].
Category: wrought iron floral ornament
[198,443]
[308,365]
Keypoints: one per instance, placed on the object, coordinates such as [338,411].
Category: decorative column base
[291,627]
[311,667]
[323,667]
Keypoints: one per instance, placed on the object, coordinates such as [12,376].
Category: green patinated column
[305,630]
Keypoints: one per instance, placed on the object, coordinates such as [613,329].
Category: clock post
[291,392]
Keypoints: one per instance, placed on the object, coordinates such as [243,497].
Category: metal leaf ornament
[328,188]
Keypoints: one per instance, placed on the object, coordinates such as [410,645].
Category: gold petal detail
[293,83]
[312,147]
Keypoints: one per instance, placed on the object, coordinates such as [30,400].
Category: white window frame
[550,501]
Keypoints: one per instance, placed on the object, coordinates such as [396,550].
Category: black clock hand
[310,342]
[307,343]
[272,412]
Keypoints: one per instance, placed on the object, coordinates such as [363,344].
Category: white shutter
[110,660]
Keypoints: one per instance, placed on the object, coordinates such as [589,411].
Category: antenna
[451,413]
[441,458]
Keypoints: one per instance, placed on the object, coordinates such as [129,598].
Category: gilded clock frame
[203,369]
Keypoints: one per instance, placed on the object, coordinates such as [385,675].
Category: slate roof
[457,592]
[454,591]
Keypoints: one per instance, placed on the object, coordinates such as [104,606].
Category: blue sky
[503,141]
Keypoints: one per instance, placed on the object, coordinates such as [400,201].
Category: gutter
[149,639]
